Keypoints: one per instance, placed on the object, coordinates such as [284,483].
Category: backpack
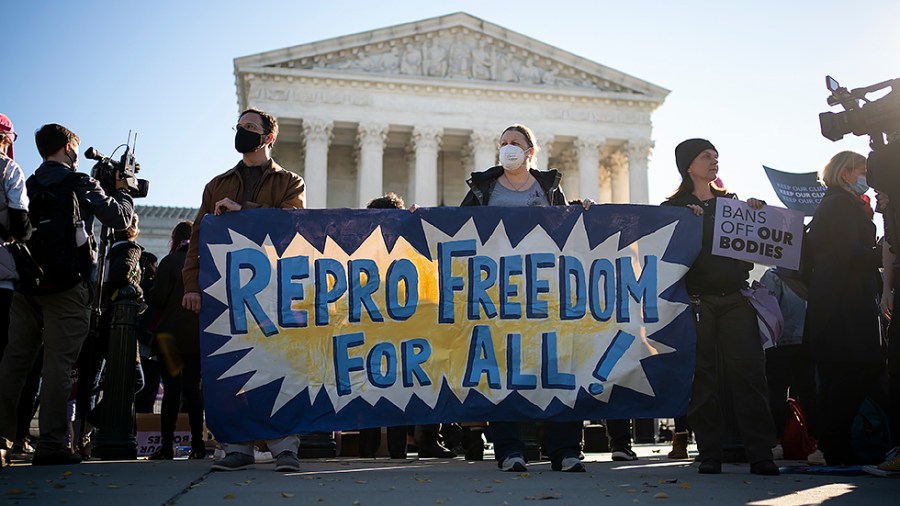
[870,434]
[55,216]
[796,441]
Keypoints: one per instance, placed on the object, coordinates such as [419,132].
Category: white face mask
[511,157]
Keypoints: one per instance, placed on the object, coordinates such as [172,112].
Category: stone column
[317,135]
[484,150]
[426,141]
[370,138]
[638,181]
[618,166]
[588,167]
[568,164]
[605,184]
[545,145]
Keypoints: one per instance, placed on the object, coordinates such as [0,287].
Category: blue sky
[747,75]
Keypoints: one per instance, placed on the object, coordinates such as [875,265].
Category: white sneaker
[262,457]
[514,464]
[816,458]
[777,452]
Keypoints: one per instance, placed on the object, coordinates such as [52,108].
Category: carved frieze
[455,54]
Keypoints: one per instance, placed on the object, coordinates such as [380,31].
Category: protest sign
[320,320]
[769,236]
[800,192]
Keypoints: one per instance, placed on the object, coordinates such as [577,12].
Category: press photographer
[55,311]
[880,120]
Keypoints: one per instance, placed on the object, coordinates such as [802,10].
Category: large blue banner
[320,320]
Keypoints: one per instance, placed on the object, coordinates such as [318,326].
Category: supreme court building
[414,108]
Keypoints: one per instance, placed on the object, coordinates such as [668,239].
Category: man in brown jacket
[256,181]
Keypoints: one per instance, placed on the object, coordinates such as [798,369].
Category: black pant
[842,388]
[619,433]
[893,365]
[370,441]
[181,377]
[729,355]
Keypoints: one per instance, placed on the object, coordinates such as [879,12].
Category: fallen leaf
[631,490]
[229,496]
[498,481]
[287,495]
[15,491]
[58,486]
[661,495]
[685,486]
[439,501]
[423,480]
[673,480]
[545,497]
[361,482]
[67,473]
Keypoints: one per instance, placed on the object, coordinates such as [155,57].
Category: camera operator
[255,182]
[56,312]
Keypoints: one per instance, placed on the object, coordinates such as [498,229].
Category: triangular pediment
[454,48]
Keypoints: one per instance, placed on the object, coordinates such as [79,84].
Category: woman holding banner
[842,312]
[727,329]
[516,182]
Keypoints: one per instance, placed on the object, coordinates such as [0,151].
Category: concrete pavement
[653,479]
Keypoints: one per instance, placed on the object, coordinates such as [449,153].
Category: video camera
[106,170]
[873,118]
[879,119]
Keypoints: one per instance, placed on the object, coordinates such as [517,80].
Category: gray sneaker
[234,461]
[569,465]
[514,464]
[287,461]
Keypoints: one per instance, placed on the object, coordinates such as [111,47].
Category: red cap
[7,126]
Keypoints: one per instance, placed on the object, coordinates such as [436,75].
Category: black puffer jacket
[711,274]
[481,184]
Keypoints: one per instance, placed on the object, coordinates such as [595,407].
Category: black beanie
[688,150]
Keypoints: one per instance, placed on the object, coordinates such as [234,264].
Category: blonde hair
[832,174]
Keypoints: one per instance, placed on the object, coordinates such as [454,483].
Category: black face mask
[246,141]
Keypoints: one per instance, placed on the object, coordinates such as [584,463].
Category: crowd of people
[831,356]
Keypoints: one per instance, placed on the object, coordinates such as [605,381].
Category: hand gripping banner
[321,320]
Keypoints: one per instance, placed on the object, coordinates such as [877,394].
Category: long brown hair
[181,233]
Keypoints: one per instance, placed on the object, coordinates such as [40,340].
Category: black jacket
[481,184]
[711,274]
[165,297]
[842,313]
[113,211]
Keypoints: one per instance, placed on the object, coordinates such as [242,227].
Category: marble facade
[414,108]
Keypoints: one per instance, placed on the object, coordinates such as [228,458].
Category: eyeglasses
[252,127]
[13,134]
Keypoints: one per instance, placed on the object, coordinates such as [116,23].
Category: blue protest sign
[800,192]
